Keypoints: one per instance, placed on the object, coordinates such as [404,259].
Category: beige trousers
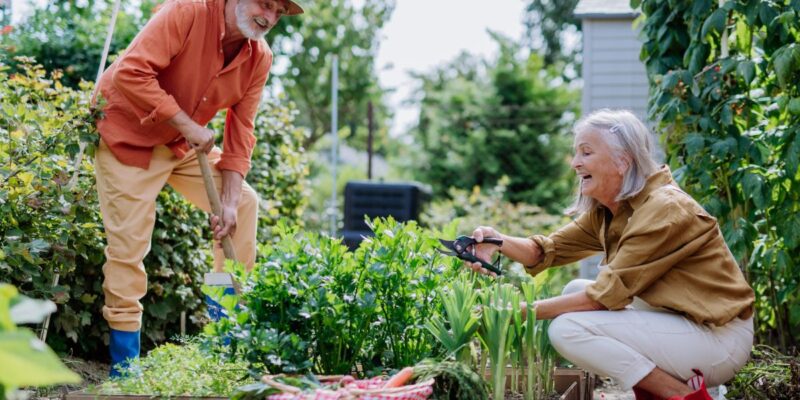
[628,344]
[128,205]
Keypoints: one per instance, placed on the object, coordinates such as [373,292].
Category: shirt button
[205,98]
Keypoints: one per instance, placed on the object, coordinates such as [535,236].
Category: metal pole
[334,139]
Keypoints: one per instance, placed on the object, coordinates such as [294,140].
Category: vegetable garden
[725,100]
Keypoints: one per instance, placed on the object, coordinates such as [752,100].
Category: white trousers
[628,344]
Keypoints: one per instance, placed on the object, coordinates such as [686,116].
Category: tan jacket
[661,246]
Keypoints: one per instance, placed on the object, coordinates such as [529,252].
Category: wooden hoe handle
[216,204]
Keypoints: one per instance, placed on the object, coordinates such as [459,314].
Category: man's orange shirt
[176,63]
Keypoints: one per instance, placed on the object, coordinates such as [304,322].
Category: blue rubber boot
[123,346]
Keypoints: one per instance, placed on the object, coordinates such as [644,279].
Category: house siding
[613,75]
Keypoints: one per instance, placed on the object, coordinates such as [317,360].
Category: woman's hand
[484,251]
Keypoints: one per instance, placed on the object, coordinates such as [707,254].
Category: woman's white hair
[632,146]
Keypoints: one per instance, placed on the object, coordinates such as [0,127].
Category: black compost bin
[402,201]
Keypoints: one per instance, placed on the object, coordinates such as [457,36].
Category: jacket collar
[660,178]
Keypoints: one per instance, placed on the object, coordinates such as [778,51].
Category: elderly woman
[669,298]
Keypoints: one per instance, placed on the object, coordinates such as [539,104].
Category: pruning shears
[461,248]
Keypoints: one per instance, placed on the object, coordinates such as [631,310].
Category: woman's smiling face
[600,172]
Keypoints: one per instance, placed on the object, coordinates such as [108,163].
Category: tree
[481,121]
[307,43]
[548,23]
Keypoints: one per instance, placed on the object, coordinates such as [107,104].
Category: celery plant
[456,330]
[498,308]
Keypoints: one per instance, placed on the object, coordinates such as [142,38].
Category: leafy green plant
[404,271]
[724,95]
[456,328]
[24,359]
[178,370]
[305,307]
[313,306]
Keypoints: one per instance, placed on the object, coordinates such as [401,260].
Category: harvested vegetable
[454,380]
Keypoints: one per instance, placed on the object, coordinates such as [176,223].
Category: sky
[423,34]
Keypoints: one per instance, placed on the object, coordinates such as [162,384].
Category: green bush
[725,97]
[311,305]
[47,227]
[178,370]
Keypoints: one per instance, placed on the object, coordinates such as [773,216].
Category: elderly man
[193,58]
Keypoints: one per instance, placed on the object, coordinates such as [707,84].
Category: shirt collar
[660,178]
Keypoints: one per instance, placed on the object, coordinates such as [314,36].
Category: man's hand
[226,225]
[199,137]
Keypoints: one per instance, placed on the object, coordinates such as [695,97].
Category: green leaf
[694,143]
[784,62]
[766,13]
[794,106]
[747,70]
[792,155]
[27,361]
[721,148]
[715,22]
[752,185]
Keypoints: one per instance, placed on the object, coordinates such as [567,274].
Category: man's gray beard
[242,22]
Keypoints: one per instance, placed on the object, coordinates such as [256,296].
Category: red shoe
[641,394]
[698,384]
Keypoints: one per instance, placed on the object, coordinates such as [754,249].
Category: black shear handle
[469,257]
[494,241]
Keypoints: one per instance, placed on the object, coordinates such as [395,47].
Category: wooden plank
[83,395]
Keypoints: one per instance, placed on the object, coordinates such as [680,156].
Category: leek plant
[539,355]
[500,302]
[516,335]
[457,327]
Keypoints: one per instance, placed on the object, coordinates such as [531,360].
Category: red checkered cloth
[365,389]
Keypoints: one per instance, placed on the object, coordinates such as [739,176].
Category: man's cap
[294,8]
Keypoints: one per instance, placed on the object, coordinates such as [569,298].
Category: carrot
[400,378]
